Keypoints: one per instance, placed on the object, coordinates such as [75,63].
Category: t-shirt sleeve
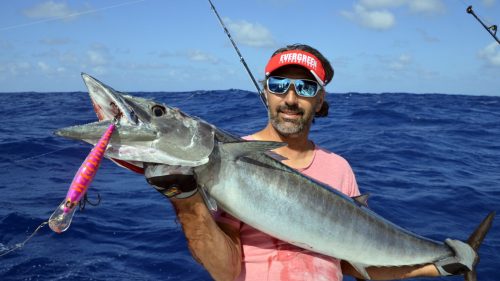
[351,184]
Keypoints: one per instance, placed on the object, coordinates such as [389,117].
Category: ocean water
[430,162]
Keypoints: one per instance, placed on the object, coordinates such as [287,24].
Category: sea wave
[429,161]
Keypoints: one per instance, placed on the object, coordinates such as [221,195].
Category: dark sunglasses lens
[306,88]
[278,85]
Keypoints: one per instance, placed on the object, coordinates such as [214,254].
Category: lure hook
[86,201]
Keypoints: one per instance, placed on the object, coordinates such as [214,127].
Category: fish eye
[158,110]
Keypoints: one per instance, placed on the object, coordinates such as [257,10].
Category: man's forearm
[391,273]
[216,247]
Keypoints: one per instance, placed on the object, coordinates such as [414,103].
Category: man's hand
[464,260]
[171,181]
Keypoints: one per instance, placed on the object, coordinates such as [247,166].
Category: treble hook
[86,200]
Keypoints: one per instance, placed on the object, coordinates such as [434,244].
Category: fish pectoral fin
[209,201]
[362,200]
[361,269]
[244,148]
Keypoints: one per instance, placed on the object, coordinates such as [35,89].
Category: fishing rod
[492,30]
[261,93]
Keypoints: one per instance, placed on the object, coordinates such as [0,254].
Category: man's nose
[291,96]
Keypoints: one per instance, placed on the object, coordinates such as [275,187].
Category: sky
[375,46]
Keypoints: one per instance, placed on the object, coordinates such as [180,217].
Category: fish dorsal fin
[362,199]
[244,148]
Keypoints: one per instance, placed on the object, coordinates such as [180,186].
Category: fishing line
[70,15]
[44,154]
[36,156]
[259,91]
[20,245]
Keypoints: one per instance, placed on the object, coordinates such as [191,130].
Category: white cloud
[99,70]
[5,45]
[418,6]
[68,58]
[427,6]
[491,54]
[489,3]
[250,34]
[191,55]
[427,37]
[142,66]
[15,68]
[377,14]
[50,10]
[166,54]
[44,67]
[374,19]
[377,4]
[47,69]
[55,41]
[98,55]
[401,62]
[197,55]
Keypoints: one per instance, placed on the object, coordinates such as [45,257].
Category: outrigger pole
[491,29]
[259,91]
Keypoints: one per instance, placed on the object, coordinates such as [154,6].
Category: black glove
[464,260]
[171,181]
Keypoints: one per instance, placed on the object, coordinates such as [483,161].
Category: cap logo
[299,58]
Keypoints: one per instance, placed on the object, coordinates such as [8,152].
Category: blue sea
[431,163]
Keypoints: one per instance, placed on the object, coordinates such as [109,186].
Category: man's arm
[391,273]
[216,246]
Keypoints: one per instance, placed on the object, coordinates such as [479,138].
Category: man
[229,249]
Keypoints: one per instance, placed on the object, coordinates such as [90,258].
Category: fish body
[277,200]
[251,185]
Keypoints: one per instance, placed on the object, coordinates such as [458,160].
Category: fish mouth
[108,103]
[109,106]
[146,131]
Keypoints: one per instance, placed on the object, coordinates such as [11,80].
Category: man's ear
[322,107]
[321,99]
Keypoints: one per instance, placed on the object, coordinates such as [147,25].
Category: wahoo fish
[245,181]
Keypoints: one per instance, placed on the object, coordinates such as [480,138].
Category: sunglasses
[303,87]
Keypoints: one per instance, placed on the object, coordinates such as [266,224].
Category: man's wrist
[178,194]
[175,192]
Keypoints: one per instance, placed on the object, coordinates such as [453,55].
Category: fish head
[146,131]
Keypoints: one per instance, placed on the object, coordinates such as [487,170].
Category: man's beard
[289,127]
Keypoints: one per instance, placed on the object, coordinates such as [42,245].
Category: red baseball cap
[301,58]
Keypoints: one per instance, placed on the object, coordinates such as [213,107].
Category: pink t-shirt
[267,258]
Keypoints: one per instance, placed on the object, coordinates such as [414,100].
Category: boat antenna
[259,91]
[492,30]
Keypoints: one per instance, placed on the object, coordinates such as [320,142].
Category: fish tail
[475,240]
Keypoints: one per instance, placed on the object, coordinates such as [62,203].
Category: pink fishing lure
[63,215]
